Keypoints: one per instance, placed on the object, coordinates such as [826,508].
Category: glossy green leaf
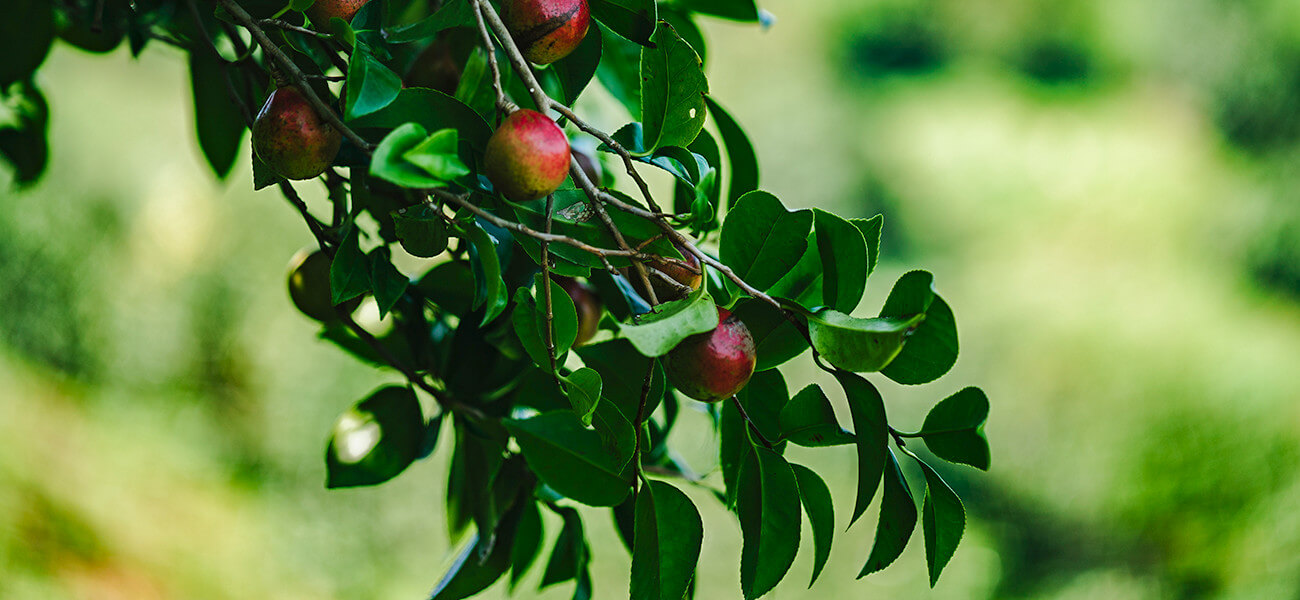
[743,161]
[764,397]
[767,503]
[761,240]
[387,282]
[475,462]
[843,253]
[483,561]
[734,449]
[421,230]
[954,429]
[673,88]
[571,458]
[350,270]
[583,388]
[674,321]
[736,10]
[389,160]
[577,69]
[943,518]
[26,33]
[490,288]
[475,85]
[437,155]
[633,19]
[666,545]
[620,70]
[808,420]
[376,439]
[930,351]
[570,557]
[821,515]
[434,111]
[217,118]
[370,85]
[803,282]
[622,372]
[450,286]
[682,22]
[452,14]
[897,519]
[871,431]
[912,295]
[776,340]
[871,229]
[859,345]
[530,324]
[527,542]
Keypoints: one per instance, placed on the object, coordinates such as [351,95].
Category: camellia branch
[546,284]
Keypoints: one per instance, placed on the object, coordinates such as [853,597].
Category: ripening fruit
[309,286]
[546,30]
[527,157]
[323,10]
[691,277]
[588,306]
[714,365]
[291,138]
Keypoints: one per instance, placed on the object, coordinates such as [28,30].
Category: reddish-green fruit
[588,306]
[323,10]
[690,275]
[435,68]
[714,365]
[546,30]
[291,138]
[527,157]
[309,286]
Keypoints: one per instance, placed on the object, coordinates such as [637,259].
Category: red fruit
[546,30]
[323,10]
[291,138]
[588,306]
[527,157]
[714,365]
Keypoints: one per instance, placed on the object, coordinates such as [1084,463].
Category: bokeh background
[1107,191]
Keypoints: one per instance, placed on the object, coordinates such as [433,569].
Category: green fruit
[291,138]
[309,287]
[527,157]
[713,366]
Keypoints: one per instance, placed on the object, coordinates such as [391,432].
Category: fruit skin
[309,286]
[663,290]
[546,30]
[322,11]
[527,157]
[588,305]
[714,365]
[291,138]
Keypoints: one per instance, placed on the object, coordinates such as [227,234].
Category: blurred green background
[1107,191]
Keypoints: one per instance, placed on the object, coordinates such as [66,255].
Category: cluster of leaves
[536,420]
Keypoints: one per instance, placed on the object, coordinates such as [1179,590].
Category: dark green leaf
[571,458]
[350,270]
[263,176]
[870,229]
[26,33]
[686,27]
[622,371]
[452,14]
[475,86]
[388,283]
[528,541]
[734,449]
[930,351]
[576,70]
[871,430]
[667,543]
[490,287]
[763,398]
[808,420]
[736,10]
[434,111]
[421,230]
[450,286]
[912,295]
[661,331]
[370,85]
[24,143]
[484,560]
[217,119]
[530,323]
[632,19]
[943,518]
[821,515]
[620,71]
[673,88]
[570,557]
[740,153]
[574,218]
[859,345]
[761,240]
[954,429]
[376,439]
[897,519]
[583,389]
[803,283]
[776,340]
[475,462]
[767,503]
[844,260]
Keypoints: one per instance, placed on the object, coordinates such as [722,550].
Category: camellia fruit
[689,275]
[546,30]
[713,365]
[291,138]
[588,305]
[309,287]
[527,157]
[322,11]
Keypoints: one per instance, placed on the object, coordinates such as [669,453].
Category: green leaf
[767,503]
[388,283]
[736,10]
[808,420]
[26,33]
[776,340]
[370,85]
[529,320]
[843,254]
[450,286]
[576,70]
[421,230]
[943,519]
[452,14]
[871,229]
[859,345]
[349,271]
[434,111]
[763,398]
[912,295]
[686,27]
[437,156]
[734,449]
[571,458]
[897,519]
[23,141]
[954,429]
[666,545]
[475,86]
[263,176]
[484,560]
[528,542]
[632,19]
[673,88]
[375,440]
[821,515]
[761,240]
[622,372]
[490,288]
[570,557]
[217,120]
[740,153]
[871,430]
[620,70]
[475,462]
[389,160]
[803,283]
[661,331]
[583,389]
[930,351]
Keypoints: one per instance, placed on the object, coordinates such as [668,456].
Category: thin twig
[503,103]
[636,424]
[546,284]
[735,400]
[287,26]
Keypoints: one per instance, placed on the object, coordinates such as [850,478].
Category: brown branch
[546,284]
[287,26]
